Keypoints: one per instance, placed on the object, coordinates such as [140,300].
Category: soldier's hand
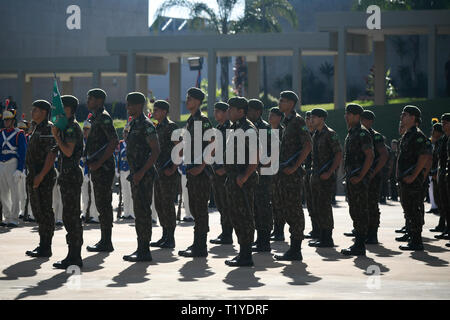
[195,171]
[289,170]
[169,171]
[221,171]
[240,180]
[55,132]
[137,177]
[37,181]
[325,176]
[408,179]
[355,180]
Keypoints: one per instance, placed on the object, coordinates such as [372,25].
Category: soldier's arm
[49,163]
[337,149]
[306,146]
[384,155]
[367,162]
[113,140]
[154,144]
[68,146]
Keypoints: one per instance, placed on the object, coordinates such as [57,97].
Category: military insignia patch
[420,139]
[362,134]
[206,125]
[377,137]
[305,128]
[70,130]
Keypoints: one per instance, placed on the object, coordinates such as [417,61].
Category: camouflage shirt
[357,141]
[412,144]
[101,133]
[442,159]
[142,131]
[260,124]
[435,155]
[325,146]
[164,131]
[308,160]
[41,143]
[295,135]
[72,133]
[223,129]
[205,125]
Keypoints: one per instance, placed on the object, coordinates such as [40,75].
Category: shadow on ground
[195,269]
[27,268]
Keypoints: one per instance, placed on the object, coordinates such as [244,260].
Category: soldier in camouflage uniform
[220,193]
[262,205]
[41,177]
[326,158]
[375,176]
[275,118]
[99,149]
[168,179]
[241,182]
[412,159]
[437,141]
[296,144]
[358,158]
[198,182]
[70,148]
[142,152]
[445,120]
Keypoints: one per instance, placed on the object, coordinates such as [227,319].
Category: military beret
[318,112]
[445,117]
[413,110]
[276,111]
[196,93]
[438,127]
[42,104]
[221,106]
[290,95]
[255,104]
[354,108]
[162,104]
[70,101]
[238,102]
[97,93]
[308,114]
[136,98]
[367,114]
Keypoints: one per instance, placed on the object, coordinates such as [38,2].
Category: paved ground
[386,272]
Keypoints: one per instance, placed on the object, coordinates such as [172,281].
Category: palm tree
[204,17]
[263,16]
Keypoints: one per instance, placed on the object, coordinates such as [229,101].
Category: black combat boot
[294,252]
[357,249]
[447,244]
[198,249]
[105,244]
[444,235]
[401,230]
[264,242]
[226,237]
[325,241]
[73,258]
[414,244]
[403,238]
[142,253]
[170,239]
[160,241]
[372,236]
[243,259]
[440,227]
[44,250]
[278,233]
[315,232]
[350,234]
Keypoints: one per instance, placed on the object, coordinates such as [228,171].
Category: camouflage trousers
[166,189]
[291,203]
[313,214]
[322,195]
[444,198]
[220,198]
[142,195]
[277,203]
[412,203]
[373,201]
[70,186]
[357,195]
[263,205]
[199,191]
[102,180]
[41,203]
[242,210]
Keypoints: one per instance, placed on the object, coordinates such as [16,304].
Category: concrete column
[27,99]
[96,79]
[432,62]
[20,91]
[341,75]
[143,84]
[175,90]
[336,80]
[380,72]
[67,87]
[212,73]
[253,77]
[297,74]
[131,71]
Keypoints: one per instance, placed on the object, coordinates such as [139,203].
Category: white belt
[8,161]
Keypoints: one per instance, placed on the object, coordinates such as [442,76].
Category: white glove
[18,176]
[117,174]
[86,178]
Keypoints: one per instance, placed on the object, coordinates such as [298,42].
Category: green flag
[58,115]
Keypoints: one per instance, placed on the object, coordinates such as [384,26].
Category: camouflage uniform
[357,141]
[444,195]
[166,187]
[102,132]
[142,131]
[325,147]
[40,144]
[308,194]
[70,180]
[412,144]
[278,217]
[295,135]
[242,210]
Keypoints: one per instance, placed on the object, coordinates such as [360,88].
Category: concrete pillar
[175,90]
[380,72]
[20,91]
[253,77]
[212,73]
[96,79]
[143,84]
[341,75]
[67,87]
[336,81]
[27,99]
[432,62]
[131,71]
[297,74]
